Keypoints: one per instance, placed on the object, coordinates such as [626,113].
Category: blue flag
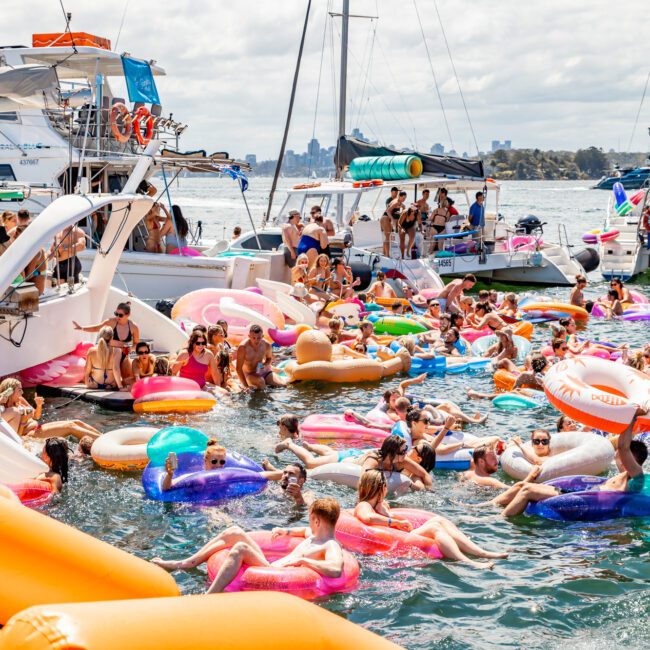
[139,81]
[236,174]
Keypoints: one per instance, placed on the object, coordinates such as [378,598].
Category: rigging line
[358,96]
[67,31]
[320,70]
[636,121]
[433,73]
[368,70]
[453,67]
[119,31]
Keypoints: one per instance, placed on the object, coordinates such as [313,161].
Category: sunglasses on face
[402,452]
[425,421]
[200,343]
[141,352]
[118,314]
[217,461]
[541,441]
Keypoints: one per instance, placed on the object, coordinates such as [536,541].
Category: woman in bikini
[99,362]
[197,362]
[409,222]
[125,334]
[19,414]
[153,221]
[144,363]
[372,510]
[55,456]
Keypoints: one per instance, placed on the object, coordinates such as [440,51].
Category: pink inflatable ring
[300,581]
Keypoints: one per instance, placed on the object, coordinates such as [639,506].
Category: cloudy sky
[552,74]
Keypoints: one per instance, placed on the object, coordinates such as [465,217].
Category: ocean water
[565,584]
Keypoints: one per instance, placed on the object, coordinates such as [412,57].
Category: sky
[549,74]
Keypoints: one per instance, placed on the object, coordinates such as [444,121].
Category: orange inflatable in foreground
[45,561]
[599,393]
[245,621]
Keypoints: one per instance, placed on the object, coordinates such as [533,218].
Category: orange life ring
[305,186]
[362,184]
[120,110]
[143,114]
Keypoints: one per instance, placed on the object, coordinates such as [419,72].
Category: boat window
[267,242]
[9,117]
[7,173]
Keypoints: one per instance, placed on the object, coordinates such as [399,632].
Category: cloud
[547,75]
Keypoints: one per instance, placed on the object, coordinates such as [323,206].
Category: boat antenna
[636,121]
[119,31]
[278,166]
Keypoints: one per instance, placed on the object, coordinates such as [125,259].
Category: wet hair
[402,404]
[57,451]
[182,227]
[85,444]
[255,329]
[302,472]
[161,367]
[612,293]
[427,456]
[455,332]
[538,362]
[470,277]
[371,484]
[290,422]
[391,447]
[327,509]
[194,337]
[125,307]
[639,450]
[479,452]
[456,320]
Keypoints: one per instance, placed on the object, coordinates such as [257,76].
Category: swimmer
[485,463]
[319,551]
[372,510]
[254,359]
[55,456]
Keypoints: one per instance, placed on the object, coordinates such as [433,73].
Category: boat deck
[113,400]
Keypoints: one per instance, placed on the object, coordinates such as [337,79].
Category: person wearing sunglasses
[197,362]
[214,458]
[540,451]
[125,334]
[371,509]
[622,292]
[144,363]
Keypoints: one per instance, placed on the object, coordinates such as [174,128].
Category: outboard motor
[363,272]
[589,259]
[530,225]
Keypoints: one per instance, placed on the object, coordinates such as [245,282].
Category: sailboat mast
[345,16]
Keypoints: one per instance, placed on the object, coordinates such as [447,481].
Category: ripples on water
[578,584]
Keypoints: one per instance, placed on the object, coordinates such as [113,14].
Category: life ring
[601,394]
[572,452]
[119,110]
[143,114]
[356,536]
[348,474]
[305,186]
[299,580]
[123,449]
[358,184]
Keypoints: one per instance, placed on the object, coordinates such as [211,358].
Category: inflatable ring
[515,402]
[572,452]
[300,581]
[329,427]
[123,449]
[554,310]
[177,401]
[601,394]
[356,536]
[33,493]
[143,114]
[123,133]
[348,474]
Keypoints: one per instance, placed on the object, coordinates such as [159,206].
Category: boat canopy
[31,86]
[349,148]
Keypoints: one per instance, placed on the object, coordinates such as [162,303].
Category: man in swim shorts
[630,456]
[254,359]
[319,551]
[449,297]
[486,463]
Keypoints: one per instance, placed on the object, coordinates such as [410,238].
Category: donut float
[123,449]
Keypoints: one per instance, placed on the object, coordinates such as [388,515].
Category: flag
[236,174]
[139,81]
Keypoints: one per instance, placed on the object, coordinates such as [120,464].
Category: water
[578,584]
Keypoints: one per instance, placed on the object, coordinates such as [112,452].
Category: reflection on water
[578,584]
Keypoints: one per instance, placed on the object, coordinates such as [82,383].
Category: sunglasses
[118,314]
[402,451]
[541,441]
[141,352]
[200,343]
[425,420]
[217,461]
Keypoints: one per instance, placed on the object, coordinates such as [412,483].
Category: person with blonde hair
[19,414]
[372,510]
[99,362]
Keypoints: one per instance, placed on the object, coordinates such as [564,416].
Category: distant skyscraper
[437,149]
[313,148]
[506,145]
[356,133]
[251,159]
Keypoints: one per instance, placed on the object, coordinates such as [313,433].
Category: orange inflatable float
[505,380]
[45,561]
[599,393]
[246,621]
[315,361]
[523,328]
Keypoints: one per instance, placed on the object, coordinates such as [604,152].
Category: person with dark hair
[477,212]
[154,222]
[611,304]
[447,344]
[125,334]
[380,288]
[485,463]
[55,456]
[449,297]
[630,456]
[622,292]
[144,363]
[422,205]
[372,510]
[319,551]
[67,244]
[175,230]
[197,362]
[254,361]
[408,224]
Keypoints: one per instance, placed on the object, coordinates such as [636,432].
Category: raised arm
[440,436]
[94,328]
[628,461]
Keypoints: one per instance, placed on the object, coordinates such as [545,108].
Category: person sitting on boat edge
[98,372]
[372,510]
[319,551]
[313,240]
[630,456]
[175,230]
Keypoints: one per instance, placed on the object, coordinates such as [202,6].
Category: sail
[350,148]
